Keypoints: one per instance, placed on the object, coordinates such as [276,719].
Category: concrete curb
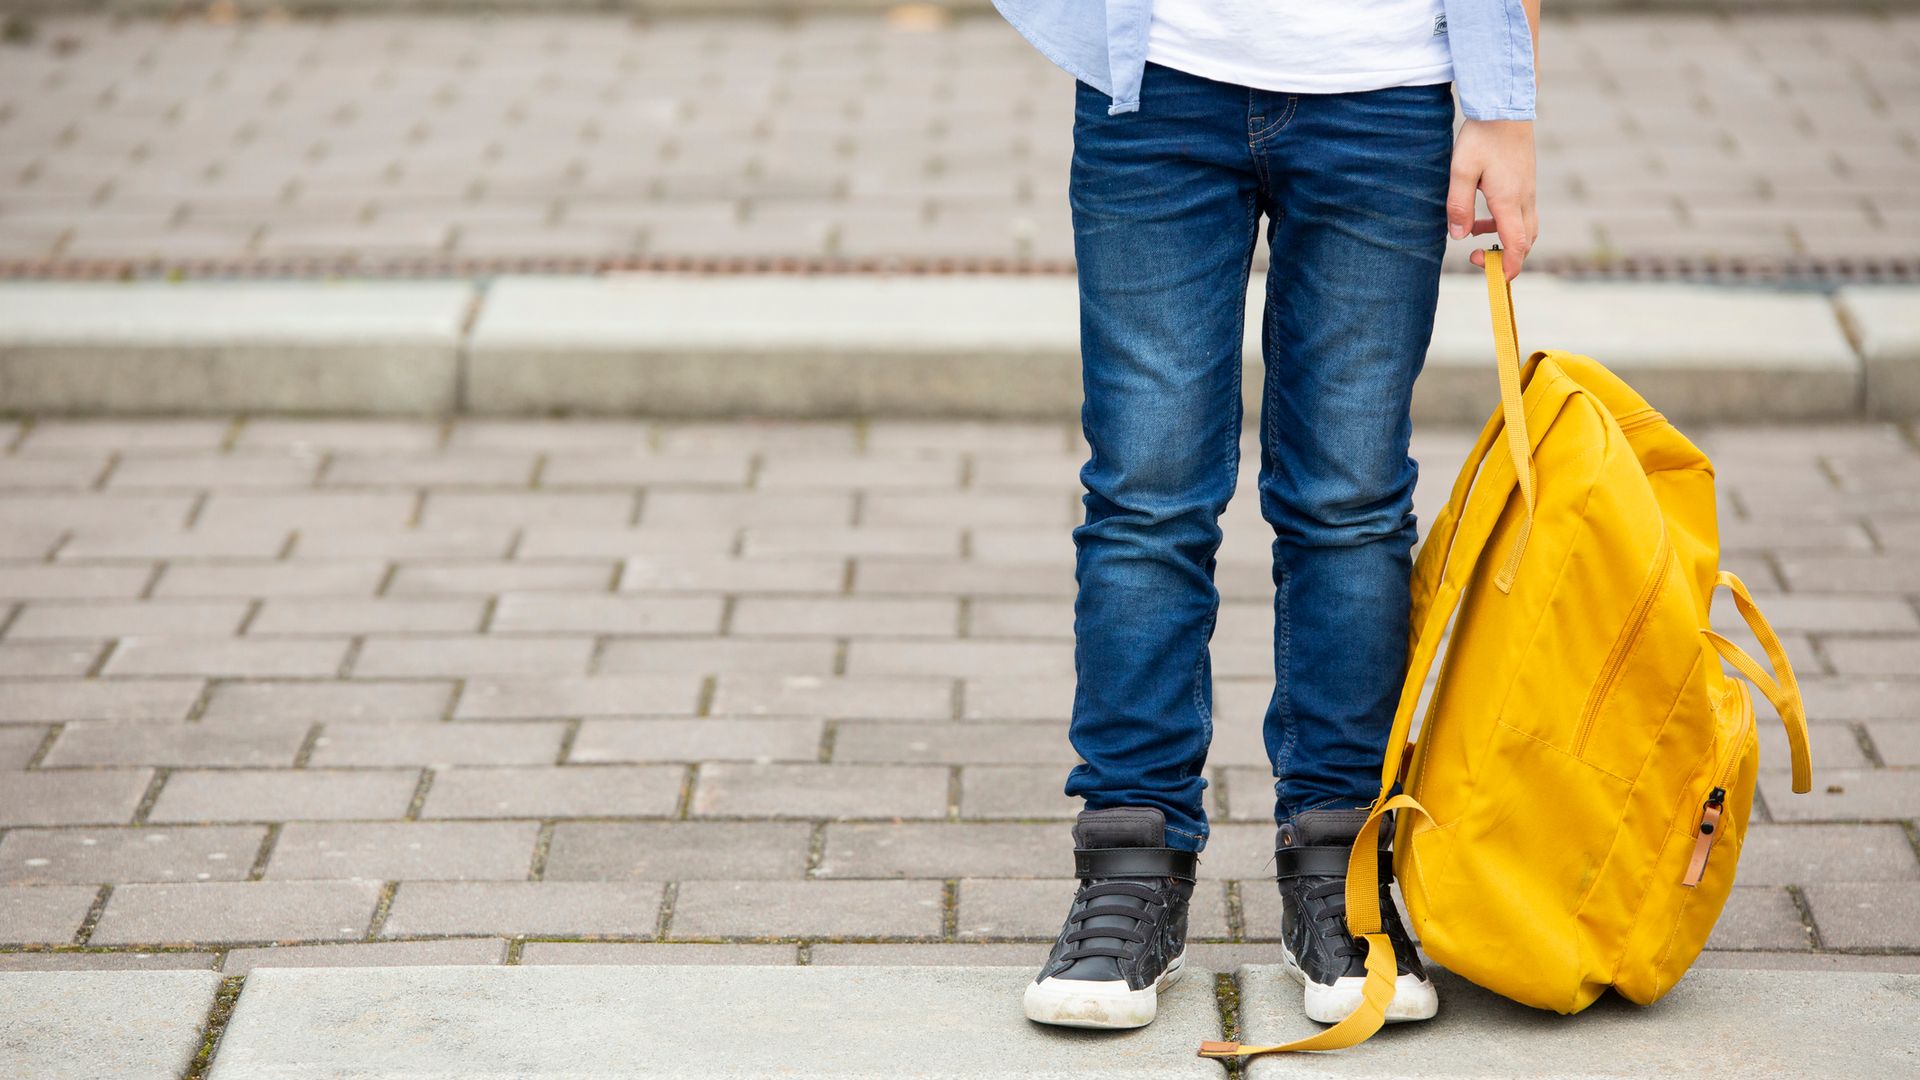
[207,347]
[859,345]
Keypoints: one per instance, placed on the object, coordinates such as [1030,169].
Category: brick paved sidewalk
[547,691]
[1779,139]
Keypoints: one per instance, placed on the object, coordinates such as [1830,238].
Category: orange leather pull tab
[1219,1049]
[1704,836]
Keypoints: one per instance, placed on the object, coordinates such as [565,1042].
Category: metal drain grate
[1797,271]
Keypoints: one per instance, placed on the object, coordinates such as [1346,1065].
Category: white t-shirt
[1304,46]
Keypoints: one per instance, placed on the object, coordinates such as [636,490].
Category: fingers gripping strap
[1506,344]
[1363,921]
[1782,688]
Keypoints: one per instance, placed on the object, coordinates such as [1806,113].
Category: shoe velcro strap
[1115,862]
[1321,861]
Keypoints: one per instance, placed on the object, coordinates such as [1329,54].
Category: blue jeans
[1166,211]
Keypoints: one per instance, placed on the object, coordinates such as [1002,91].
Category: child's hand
[1495,157]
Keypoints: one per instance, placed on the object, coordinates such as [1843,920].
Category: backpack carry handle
[1781,688]
[1506,347]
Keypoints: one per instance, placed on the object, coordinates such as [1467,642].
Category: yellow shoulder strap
[1363,867]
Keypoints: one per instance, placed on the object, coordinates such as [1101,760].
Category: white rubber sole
[1414,998]
[1110,1005]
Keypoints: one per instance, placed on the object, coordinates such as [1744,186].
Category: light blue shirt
[1104,44]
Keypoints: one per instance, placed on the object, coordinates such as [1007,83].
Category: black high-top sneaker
[1125,938]
[1310,861]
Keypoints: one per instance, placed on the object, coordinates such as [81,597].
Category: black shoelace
[1331,915]
[1142,918]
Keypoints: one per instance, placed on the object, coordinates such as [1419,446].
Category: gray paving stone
[851,617]
[1758,917]
[946,851]
[127,618]
[72,797]
[446,953]
[447,469]
[1843,795]
[663,693]
[577,614]
[555,792]
[270,579]
[291,616]
[952,744]
[91,960]
[404,851]
[226,657]
[745,693]
[307,510]
[284,795]
[109,856]
[270,469]
[1032,698]
[1861,699]
[693,542]
[542,908]
[237,911]
[717,508]
[611,469]
[1908,964]
[425,655]
[820,791]
[652,952]
[455,509]
[944,954]
[807,908]
[320,542]
[486,579]
[305,702]
[49,658]
[353,433]
[716,656]
[382,347]
[784,541]
[44,914]
[535,1021]
[1016,791]
[964,658]
[1806,854]
[705,739]
[42,582]
[1774,1022]
[677,851]
[140,1025]
[503,743]
[19,743]
[1896,743]
[1866,915]
[209,742]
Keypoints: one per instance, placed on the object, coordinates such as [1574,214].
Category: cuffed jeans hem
[1283,816]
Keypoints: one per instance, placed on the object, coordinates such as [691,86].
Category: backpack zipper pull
[1704,835]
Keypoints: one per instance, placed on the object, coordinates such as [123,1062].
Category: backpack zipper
[1707,829]
[1705,832]
[1623,645]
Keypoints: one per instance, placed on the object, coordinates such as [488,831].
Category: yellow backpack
[1572,812]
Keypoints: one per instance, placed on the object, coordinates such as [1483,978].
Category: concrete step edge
[974,346]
